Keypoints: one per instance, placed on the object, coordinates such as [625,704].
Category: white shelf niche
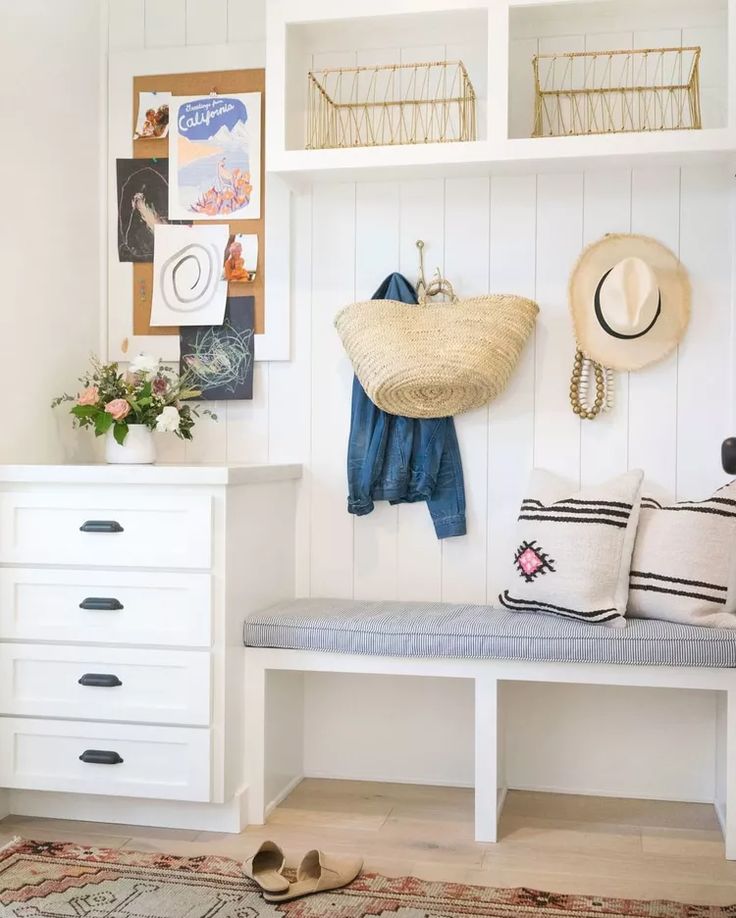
[303,37]
[613,25]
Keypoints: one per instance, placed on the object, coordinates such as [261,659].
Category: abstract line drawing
[143,203]
[187,284]
[219,360]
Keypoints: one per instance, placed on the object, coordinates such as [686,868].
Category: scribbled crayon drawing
[215,154]
[219,359]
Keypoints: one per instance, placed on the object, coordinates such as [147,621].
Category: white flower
[168,420]
[144,363]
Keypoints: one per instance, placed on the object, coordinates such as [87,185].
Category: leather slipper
[320,872]
[266,866]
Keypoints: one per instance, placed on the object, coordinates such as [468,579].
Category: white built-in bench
[491,647]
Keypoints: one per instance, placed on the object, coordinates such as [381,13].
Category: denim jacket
[404,460]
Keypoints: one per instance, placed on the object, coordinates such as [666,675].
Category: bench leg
[727,795]
[486,758]
[255,741]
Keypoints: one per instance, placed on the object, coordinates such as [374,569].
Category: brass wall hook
[438,286]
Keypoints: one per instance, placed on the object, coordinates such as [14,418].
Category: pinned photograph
[219,360]
[241,258]
[215,157]
[153,115]
[187,275]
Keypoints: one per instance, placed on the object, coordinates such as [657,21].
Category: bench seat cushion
[422,629]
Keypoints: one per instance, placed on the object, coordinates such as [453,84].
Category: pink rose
[118,408]
[88,396]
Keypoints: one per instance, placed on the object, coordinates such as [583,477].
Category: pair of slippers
[318,872]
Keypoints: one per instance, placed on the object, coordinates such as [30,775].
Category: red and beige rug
[61,880]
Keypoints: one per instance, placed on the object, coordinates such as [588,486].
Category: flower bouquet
[126,406]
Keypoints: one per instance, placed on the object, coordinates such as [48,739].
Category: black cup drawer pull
[100,757]
[101,526]
[101,604]
[100,680]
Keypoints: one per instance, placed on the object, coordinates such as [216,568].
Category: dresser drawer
[166,763]
[110,527]
[144,686]
[105,607]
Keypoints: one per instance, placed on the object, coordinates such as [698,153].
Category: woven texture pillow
[573,550]
[684,564]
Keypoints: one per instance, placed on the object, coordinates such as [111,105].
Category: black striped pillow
[684,564]
[572,551]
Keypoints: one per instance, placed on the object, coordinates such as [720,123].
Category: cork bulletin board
[189,84]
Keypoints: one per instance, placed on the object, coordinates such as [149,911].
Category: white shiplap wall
[508,233]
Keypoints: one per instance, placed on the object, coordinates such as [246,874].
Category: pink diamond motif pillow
[573,549]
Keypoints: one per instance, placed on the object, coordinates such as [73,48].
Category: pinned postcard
[187,275]
[219,360]
[215,157]
[153,115]
[241,258]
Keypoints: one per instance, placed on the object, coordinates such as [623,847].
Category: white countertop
[158,474]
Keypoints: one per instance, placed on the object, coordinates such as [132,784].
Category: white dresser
[122,595]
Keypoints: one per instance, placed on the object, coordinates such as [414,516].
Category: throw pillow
[573,550]
[684,564]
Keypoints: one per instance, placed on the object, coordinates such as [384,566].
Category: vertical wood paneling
[210,437]
[704,364]
[466,265]
[376,256]
[166,23]
[655,211]
[559,238]
[333,286]
[126,27]
[206,22]
[419,553]
[511,416]
[246,423]
[246,20]
[290,392]
[604,443]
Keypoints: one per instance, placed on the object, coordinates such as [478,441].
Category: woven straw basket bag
[438,359]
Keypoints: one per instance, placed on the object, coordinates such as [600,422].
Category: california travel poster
[215,157]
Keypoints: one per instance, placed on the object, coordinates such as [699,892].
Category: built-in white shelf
[497,40]
[549,154]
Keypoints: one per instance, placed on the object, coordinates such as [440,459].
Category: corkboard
[192,84]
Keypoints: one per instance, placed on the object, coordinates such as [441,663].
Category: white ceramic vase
[137,449]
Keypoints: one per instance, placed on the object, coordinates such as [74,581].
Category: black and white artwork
[219,359]
[143,202]
[188,288]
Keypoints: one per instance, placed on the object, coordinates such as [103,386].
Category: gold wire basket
[611,92]
[390,104]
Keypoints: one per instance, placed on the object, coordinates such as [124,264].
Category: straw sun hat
[630,301]
[438,359]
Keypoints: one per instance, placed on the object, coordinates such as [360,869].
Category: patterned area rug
[59,880]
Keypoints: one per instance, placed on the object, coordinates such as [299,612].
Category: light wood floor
[627,848]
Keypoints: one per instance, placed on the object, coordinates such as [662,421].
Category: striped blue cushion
[420,629]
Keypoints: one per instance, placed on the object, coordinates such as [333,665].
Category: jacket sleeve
[447,503]
[366,450]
